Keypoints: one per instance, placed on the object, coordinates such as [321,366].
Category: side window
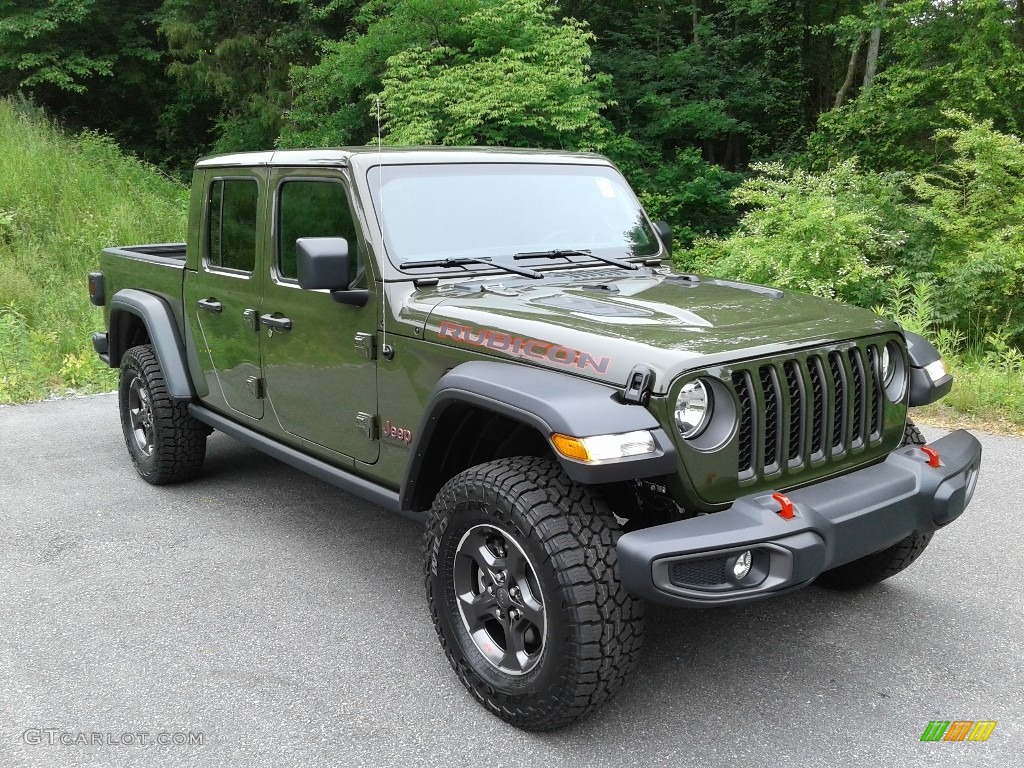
[232,231]
[312,209]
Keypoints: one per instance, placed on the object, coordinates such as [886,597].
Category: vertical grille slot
[877,414]
[741,383]
[794,383]
[835,364]
[818,402]
[858,397]
[772,421]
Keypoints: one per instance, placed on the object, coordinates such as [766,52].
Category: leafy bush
[689,193]
[828,234]
[973,209]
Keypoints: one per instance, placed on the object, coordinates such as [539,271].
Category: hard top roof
[372,155]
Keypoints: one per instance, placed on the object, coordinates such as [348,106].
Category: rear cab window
[232,216]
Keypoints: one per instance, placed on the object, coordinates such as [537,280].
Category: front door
[318,361]
[222,301]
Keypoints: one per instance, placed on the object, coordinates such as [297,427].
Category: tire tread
[578,532]
[180,439]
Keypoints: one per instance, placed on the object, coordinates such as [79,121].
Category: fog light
[741,567]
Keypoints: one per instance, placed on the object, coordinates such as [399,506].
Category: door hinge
[367,344]
[369,425]
[252,319]
[255,385]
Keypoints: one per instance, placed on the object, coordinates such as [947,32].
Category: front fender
[549,402]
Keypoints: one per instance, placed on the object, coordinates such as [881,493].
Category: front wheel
[880,565]
[523,587]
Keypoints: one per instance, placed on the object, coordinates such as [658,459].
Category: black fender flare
[162,329]
[549,402]
[922,389]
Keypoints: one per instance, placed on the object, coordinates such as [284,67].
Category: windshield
[495,211]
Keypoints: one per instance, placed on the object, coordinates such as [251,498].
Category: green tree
[331,104]
[92,63]
[237,54]
[518,79]
[65,44]
[934,57]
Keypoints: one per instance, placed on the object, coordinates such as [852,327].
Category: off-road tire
[881,565]
[166,443]
[593,629]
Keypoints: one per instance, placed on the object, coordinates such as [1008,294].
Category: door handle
[210,305]
[277,323]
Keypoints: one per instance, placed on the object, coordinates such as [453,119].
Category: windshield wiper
[462,262]
[565,253]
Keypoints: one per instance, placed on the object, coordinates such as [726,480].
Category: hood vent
[589,306]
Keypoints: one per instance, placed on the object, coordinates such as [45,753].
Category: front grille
[802,411]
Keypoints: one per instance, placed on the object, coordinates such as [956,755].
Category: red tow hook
[786,511]
[933,456]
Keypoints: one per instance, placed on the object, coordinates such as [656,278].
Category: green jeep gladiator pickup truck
[494,343]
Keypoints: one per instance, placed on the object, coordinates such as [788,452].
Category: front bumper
[689,563]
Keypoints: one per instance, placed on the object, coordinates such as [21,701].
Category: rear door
[320,370]
[223,300]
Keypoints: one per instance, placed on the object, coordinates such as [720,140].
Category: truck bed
[161,253]
[160,267]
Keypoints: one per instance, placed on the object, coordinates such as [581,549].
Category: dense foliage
[833,147]
[958,227]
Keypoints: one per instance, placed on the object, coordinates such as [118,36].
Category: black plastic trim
[550,402]
[156,315]
[340,478]
[837,521]
[923,391]
[101,344]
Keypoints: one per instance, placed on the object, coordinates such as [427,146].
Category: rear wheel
[522,583]
[881,565]
[166,443]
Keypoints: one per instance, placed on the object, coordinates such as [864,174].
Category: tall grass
[988,373]
[62,200]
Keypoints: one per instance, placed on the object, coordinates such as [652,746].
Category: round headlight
[693,409]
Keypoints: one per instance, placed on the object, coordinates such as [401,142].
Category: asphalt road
[283,623]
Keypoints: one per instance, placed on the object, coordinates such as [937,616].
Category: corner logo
[958,730]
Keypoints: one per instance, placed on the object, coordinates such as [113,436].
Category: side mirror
[665,233]
[322,262]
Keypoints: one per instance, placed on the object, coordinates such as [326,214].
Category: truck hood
[600,323]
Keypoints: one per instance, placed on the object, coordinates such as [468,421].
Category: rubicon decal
[533,349]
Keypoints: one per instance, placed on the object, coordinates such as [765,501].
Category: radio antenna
[387,350]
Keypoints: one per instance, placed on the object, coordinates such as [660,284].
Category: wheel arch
[480,411]
[138,317]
